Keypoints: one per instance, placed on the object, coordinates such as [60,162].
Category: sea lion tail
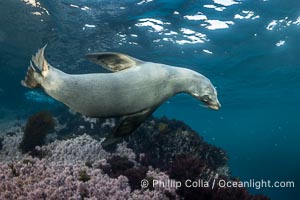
[37,70]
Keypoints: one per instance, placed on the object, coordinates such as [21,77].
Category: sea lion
[132,92]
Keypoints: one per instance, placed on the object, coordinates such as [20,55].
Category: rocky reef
[36,129]
[70,162]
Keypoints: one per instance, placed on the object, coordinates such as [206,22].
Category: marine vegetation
[77,167]
[158,141]
[187,167]
[36,130]
[83,176]
[118,165]
[1,143]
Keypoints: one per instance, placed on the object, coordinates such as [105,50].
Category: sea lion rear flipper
[37,70]
[39,60]
[128,124]
[113,62]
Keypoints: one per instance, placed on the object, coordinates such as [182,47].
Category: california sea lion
[133,91]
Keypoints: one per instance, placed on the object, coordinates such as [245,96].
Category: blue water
[249,50]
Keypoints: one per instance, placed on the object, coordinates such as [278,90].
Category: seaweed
[83,176]
[13,170]
[1,143]
[10,133]
[161,140]
[171,146]
[186,167]
[122,166]
[37,127]
[118,165]
[135,176]
[28,162]
[88,163]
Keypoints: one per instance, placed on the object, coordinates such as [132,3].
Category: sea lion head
[207,93]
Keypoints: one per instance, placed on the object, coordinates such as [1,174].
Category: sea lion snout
[215,106]
[210,100]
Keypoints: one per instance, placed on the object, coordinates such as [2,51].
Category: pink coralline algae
[72,163]
[58,174]
[37,179]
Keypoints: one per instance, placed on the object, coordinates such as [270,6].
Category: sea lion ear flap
[113,62]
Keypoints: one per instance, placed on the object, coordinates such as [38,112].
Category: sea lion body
[114,94]
[133,91]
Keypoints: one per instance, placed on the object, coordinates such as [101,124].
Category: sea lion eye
[205,98]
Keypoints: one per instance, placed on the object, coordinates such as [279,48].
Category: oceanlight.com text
[257,184]
[252,183]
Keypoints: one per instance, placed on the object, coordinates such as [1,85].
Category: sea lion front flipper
[113,62]
[130,123]
[127,125]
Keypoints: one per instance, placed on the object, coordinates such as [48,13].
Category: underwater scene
[149,99]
